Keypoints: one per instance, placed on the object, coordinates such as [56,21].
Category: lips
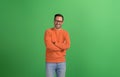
[58,26]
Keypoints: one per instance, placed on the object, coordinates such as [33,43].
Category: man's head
[58,21]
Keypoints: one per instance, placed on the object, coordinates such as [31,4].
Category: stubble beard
[57,26]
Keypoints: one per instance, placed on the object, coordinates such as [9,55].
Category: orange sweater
[57,42]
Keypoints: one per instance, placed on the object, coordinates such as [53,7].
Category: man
[57,41]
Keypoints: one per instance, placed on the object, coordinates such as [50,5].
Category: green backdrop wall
[93,25]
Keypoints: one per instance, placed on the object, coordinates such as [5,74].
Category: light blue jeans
[55,68]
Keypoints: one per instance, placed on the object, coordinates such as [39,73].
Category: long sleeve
[48,42]
[66,44]
[57,42]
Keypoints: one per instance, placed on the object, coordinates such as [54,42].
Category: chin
[57,27]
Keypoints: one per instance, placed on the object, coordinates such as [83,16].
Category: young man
[57,41]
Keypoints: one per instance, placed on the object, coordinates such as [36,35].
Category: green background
[93,25]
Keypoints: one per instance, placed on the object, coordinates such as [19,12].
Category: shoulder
[49,30]
[65,31]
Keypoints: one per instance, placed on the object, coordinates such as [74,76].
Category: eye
[58,21]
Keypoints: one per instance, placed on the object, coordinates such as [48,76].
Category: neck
[57,28]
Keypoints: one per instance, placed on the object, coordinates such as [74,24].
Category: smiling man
[57,41]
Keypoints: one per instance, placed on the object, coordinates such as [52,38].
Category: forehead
[58,18]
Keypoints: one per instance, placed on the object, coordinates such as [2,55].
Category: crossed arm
[55,46]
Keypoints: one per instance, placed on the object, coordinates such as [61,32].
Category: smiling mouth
[57,26]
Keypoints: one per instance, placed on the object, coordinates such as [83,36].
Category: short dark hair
[59,15]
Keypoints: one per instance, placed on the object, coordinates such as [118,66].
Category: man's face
[58,22]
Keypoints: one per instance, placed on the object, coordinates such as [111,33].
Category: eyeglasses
[58,21]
